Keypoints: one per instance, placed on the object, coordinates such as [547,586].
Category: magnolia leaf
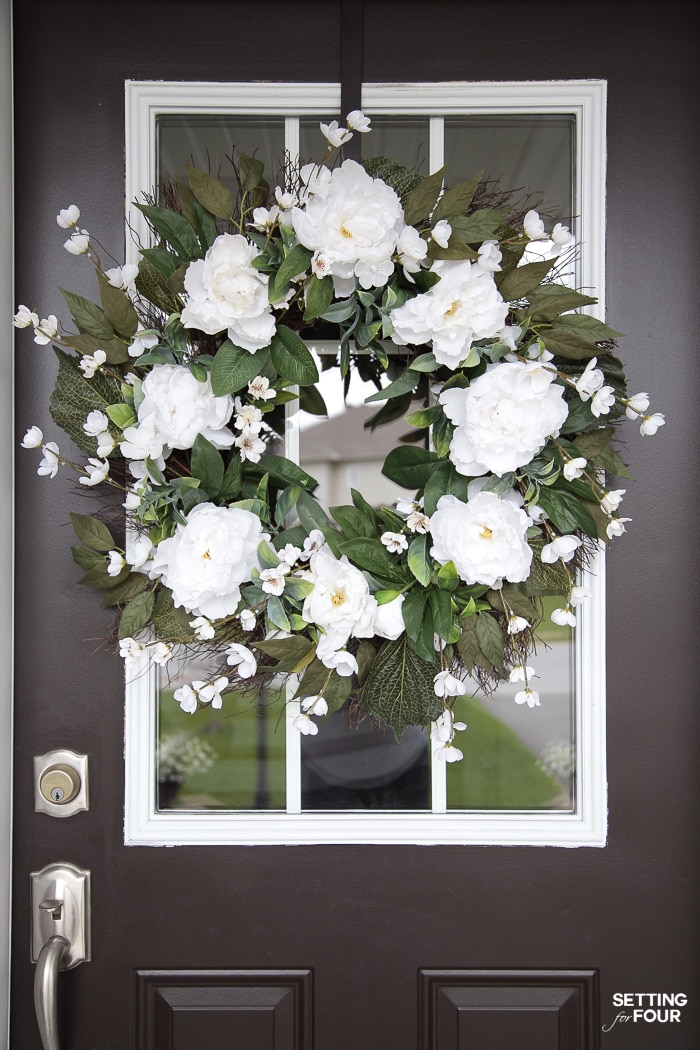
[444,480]
[118,308]
[447,577]
[395,408]
[207,465]
[409,466]
[276,615]
[441,606]
[99,578]
[552,300]
[406,382]
[162,260]
[400,688]
[317,297]
[479,226]
[134,583]
[456,249]
[283,470]
[524,279]
[115,349]
[612,464]
[89,317]
[121,415]
[92,532]
[456,200]
[315,679]
[337,691]
[74,397]
[251,173]
[511,599]
[311,401]
[231,483]
[137,613]
[490,636]
[418,560]
[565,342]
[210,192]
[292,358]
[292,654]
[175,229]
[233,367]
[589,327]
[294,265]
[566,511]
[353,522]
[86,558]
[205,225]
[594,442]
[373,557]
[422,198]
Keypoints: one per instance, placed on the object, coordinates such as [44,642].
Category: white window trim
[587,824]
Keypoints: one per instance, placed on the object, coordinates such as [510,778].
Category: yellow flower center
[453,309]
[486,533]
[207,555]
[337,598]
[345,231]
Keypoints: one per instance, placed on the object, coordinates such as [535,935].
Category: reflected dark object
[364,767]
[167,792]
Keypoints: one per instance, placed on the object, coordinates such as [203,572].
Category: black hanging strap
[351,38]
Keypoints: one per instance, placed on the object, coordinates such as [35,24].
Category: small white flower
[335,134]
[289,554]
[574,468]
[315,705]
[34,438]
[358,121]
[68,217]
[321,265]
[418,522]
[122,276]
[259,388]
[563,547]
[603,401]
[285,199]
[105,444]
[579,595]
[91,363]
[445,684]
[611,500]
[564,617]
[273,579]
[96,423]
[130,650]
[248,620]
[411,249]
[312,543]
[250,446]
[590,380]
[562,237]
[516,624]
[441,233]
[265,219]
[142,342]
[304,725]
[616,527]
[203,628]
[534,227]
[210,692]
[78,242]
[521,673]
[186,698]
[407,506]
[248,417]
[48,467]
[96,470]
[116,563]
[395,542]
[445,726]
[25,318]
[449,753]
[490,256]
[46,330]
[338,660]
[241,658]
[650,424]
[535,513]
[529,697]
[139,552]
[161,653]
[637,405]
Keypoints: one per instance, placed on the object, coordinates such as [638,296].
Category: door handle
[60,895]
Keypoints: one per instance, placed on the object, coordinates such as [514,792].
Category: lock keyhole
[57,794]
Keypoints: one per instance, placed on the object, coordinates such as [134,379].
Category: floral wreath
[512,396]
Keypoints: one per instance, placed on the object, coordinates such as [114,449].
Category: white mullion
[437,143]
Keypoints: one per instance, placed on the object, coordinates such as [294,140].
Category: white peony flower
[50,461]
[650,424]
[563,547]
[504,417]
[25,318]
[68,217]
[240,657]
[485,538]
[355,227]
[340,603]
[179,408]
[388,619]
[464,306]
[34,438]
[225,292]
[208,558]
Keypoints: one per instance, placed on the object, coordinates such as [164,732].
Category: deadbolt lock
[60,783]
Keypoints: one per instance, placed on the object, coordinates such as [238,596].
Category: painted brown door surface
[374,947]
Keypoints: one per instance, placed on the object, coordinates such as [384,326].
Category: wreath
[173,382]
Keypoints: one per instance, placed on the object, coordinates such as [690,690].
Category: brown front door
[372,947]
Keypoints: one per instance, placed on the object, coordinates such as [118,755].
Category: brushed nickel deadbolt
[60,783]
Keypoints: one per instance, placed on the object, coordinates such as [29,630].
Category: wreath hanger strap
[351,57]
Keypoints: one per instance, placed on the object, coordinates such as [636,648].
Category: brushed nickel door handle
[46,989]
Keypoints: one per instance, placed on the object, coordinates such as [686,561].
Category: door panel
[386,947]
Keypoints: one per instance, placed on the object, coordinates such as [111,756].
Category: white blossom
[616,527]
[562,547]
[637,405]
[25,318]
[338,660]
[289,554]
[533,226]
[395,542]
[314,180]
[313,542]
[273,580]
[46,330]
[248,619]
[116,563]
[143,341]
[210,692]
[564,617]
[130,650]
[358,121]
[91,363]
[260,389]
[490,256]
[315,705]
[226,293]
[160,653]
[579,595]
[574,468]
[250,446]
[562,237]
[265,219]
[411,249]
[388,619]
[122,276]
[529,697]
[139,551]
[611,500]
[303,724]
[441,233]
[485,538]
[445,684]
[203,628]
[335,135]
[521,673]
[417,521]
[650,424]
[590,380]
[68,217]
[504,417]
[602,401]
[95,423]
[33,438]
[78,243]
[517,624]
[247,417]
[449,753]
[240,657]
[186,698]
[105,444]
[143,442]
[48,467]
[445,725]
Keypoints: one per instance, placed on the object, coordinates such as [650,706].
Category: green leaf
[418,560]
[511,598]
[292,358]
[456,200]
[480,225]
[589,327]
[297,262]
[441,605]
[88,317]
[318,297]
[365,656]
[340,311]
[399,689]
[233,367]
[283,470]
[406,382]
[121,415]
[171,623]
[353,522]
[594,442]
[114,348]
[394,408]
[422,199]
[153,286]
[86,558]
[292,654]
[524,279]
[251,173]
[210,192]
[545,578]
[296,588]
[137,613]
[443,481]
[311,401]
[163,260]
[424,417]
[409,466]
[118,308]
[551,300]
[566,511]
[314,681]
[424,363]
[175,229]
[448,577]
[373,557]
[231,483]
[92,532]
[276,614]
[207,465]
[134,583]
[564,342]
[611,463]
[490,636]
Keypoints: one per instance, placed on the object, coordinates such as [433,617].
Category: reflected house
[342,455]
